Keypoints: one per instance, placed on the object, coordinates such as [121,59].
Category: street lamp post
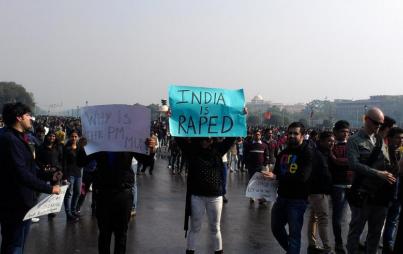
[163,109]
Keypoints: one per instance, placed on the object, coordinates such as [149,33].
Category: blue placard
[206,112]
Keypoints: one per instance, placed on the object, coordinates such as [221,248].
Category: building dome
[257,98]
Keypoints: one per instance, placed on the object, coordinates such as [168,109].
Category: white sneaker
[35,220]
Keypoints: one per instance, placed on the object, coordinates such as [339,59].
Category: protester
[174,157]
[271,146]
[205,187]
[368,158]
[233,159]
[292,170]
[256,156]
[20,178]
[73,174]
[240,154]
[149,163]
[113,187]
[50,156]
[398,248]
[342,179]
[395,142]
[319,193]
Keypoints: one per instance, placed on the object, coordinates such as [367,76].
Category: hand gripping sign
[206,112]
[50,204]
[259,187]
[116,128]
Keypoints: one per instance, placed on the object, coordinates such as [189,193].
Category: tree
[155,114]
[327,123]
[12,92]
[320,109]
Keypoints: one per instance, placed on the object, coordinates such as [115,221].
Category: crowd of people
[330,171]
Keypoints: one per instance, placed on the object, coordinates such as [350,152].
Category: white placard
[116,128]
[260,187]
[50,204]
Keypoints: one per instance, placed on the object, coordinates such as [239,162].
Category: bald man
[372,189]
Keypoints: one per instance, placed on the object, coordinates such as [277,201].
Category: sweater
[293,169]
[206,168]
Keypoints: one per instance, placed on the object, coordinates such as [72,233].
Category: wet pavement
[158,226]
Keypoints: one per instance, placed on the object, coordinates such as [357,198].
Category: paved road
[158,226]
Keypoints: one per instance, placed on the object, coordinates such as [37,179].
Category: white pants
[213,206]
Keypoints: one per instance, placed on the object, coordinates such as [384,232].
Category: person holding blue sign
[199,114]
[205,187]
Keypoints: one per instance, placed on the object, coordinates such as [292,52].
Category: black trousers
[149,162]
[113,215]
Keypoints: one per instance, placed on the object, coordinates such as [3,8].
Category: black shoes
[72,218]
[387,249]
[339,248]
[193,252]
[318,250]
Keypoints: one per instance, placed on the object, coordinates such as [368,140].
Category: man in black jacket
[292,170]
[113,184]
[369,196]
[19,178]
[319,192]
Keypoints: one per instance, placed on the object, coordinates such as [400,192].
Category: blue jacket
[19,176]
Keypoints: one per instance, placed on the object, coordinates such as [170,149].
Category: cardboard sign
[206,112]
[50,204]
[116,128]
[260,187]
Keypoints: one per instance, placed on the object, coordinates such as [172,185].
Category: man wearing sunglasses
[369,159]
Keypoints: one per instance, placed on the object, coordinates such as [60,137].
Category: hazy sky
[128,51]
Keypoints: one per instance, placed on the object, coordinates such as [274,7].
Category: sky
[130,51]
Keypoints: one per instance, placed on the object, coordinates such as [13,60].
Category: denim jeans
[391,222]
[339,205]
[288,211]
[72,194]
[399,236]
[224,176]
[14,234]
[134,189]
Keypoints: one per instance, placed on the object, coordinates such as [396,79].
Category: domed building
[258,99]
[258,104]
